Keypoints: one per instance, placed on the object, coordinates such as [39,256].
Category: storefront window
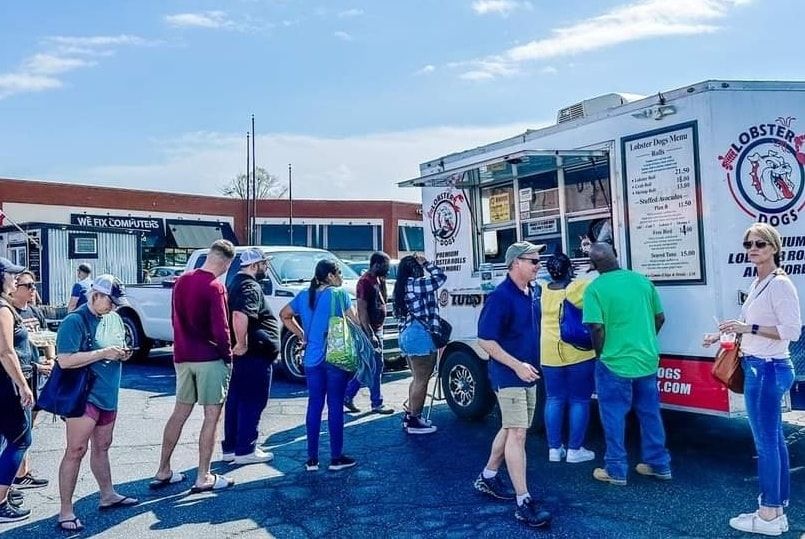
[352,237]
[411,238]
[281,235]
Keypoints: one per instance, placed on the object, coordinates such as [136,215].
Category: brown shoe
[602,475]
[645,469]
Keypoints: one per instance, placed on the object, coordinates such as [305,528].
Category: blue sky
[158,94]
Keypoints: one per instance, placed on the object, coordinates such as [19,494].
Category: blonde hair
[769,234]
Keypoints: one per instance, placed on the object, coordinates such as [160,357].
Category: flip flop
[175,477]
[125,501]
[77,526]
[219,483]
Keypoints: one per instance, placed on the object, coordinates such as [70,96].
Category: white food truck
[673,180]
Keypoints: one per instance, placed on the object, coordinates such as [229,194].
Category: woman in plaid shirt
[417,310]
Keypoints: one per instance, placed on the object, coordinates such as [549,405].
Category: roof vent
[589,107]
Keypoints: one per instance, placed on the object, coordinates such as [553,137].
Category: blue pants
[616,396]
[765,383]
[15,431]
[374,389]
[325,381]
[245,402]
[568,388]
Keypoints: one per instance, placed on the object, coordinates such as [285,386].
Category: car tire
[291,358]
[135,336]
[465,385]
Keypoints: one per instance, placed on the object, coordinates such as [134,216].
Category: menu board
[661,190]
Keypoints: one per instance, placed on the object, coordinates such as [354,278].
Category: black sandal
[77,526]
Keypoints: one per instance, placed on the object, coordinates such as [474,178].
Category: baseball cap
[112,287]
[252,255]
[6,266]
[516,250]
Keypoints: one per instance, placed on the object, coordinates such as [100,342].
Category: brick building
[170,225]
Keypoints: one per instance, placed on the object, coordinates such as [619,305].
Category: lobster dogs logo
[765,172]
[445,217]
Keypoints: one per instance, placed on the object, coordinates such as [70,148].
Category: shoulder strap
[10,307]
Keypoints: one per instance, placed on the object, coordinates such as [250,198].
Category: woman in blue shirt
[324,380]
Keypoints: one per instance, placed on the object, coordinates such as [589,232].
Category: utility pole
[248,189]
[290,202]
[254,189]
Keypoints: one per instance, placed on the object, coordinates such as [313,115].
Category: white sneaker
[556,454]
[253,458]
[228,457]
[579,455]
[752,523]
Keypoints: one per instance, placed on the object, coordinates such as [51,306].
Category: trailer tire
[465,384]
[135,336]
[291,358]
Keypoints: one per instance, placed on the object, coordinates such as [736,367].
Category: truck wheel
[135,337]
[292,355]
[466,386]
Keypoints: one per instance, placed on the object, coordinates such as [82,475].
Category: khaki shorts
[202,382]
[517,406]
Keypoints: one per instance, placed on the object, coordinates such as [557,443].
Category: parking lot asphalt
[404,486]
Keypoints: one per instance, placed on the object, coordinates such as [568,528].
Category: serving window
[564,203]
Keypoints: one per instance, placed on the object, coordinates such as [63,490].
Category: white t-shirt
[775,305]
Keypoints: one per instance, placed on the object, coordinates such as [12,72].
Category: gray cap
[517,250]
[252,255]
[7,266]
[112,287]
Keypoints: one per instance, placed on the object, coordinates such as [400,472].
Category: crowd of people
[226,339]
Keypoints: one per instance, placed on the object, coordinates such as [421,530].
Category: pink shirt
[200,318]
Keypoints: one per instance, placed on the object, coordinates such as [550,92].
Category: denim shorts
[415,340]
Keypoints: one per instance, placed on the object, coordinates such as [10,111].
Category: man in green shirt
[624,313]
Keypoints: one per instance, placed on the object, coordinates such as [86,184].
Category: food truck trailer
[672,180]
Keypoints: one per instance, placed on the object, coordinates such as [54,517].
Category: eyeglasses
[760,244]
[533,261]
[29,286]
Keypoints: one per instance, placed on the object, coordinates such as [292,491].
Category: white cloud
[349,13]
[62,54]
[361,166]
[426,70]
[641,20]
[548,70]
[23,83]
[204,19]
[49,64]
[343,36]
[499,7]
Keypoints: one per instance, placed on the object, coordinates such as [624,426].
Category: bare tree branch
[268,186]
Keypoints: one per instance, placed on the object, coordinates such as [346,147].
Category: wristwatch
[755,329]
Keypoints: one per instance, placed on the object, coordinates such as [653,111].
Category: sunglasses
[29,286]
[760,244]
[534,261]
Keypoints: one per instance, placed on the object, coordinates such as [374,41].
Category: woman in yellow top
[568,372]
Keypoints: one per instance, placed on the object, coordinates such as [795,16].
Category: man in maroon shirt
[202,355]
[371,292]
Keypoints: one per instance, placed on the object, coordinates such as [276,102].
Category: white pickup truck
[148,319]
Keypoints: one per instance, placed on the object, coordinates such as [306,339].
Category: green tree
[268,186]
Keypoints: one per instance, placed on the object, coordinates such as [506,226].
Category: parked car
[159,274]
[148,319]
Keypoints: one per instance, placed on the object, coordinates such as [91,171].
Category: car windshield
[298,266]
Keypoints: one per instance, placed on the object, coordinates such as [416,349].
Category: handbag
[571,328]
[366,371]
[66,391]
[341,350]
[727,368]
[442,336]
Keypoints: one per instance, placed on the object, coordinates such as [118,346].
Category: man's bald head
[602,255]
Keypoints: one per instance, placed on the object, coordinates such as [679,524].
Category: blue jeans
[616,396]
[765,383]
[245,402]
[15,431]
[374,389]
[569,387]
[325,381]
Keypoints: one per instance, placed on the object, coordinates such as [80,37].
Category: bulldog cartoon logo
[765,174]
[445,217]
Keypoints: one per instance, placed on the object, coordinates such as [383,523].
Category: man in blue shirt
[78,295]
[508,333]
